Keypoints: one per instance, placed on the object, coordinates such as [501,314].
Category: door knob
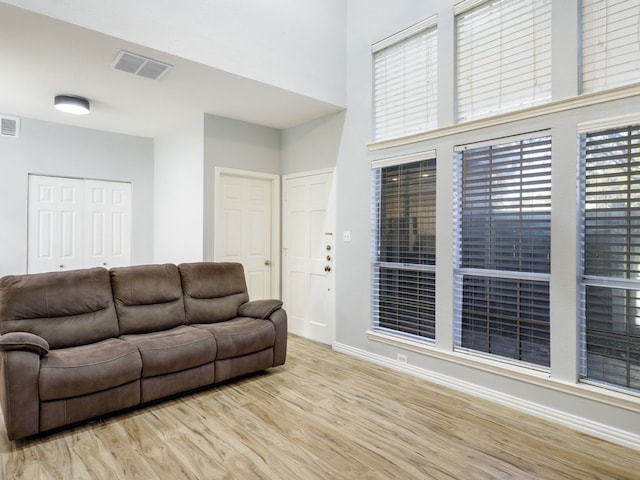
[267,262]
[327,268]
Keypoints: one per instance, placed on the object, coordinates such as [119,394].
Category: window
[610,181]
[503,229]
[503,59]
[405,82]
[403,257]
[610,45]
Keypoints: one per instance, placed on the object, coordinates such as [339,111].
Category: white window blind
[403,248]
[610,350]
[503,230]
[405,82]
[610,43]
[503,56]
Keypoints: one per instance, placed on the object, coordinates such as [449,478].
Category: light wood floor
[323,415]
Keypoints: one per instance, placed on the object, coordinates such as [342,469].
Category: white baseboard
[580,424]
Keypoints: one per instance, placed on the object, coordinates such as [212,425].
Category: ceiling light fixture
[71,104]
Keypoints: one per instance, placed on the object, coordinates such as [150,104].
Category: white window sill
[500,119]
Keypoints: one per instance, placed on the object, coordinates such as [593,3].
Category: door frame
[275,218]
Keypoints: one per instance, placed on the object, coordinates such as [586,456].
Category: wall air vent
[9,126]
[140,66]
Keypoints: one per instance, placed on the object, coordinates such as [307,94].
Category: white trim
[404,34]
[412,267]
[467,5]
[606,123]
[510,274]
[464,357]
[309,173]
[625,284]
[503,140]
[275,218]
[586,100]
[402,159]
[566,419]
[612,397]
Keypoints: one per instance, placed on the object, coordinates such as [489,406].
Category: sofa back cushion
[67,308]
[212,291]
[148,298]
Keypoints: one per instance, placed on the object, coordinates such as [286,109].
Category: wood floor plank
[323,415]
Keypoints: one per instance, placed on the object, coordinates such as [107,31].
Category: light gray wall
[51,149]
[179,194]
[312,146]
[239,145]
[369,22]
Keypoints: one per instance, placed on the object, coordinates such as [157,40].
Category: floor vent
[9,126]
[140,66]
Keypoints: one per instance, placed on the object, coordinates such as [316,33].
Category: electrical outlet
[402,358]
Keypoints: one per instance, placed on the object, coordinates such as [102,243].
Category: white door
[308,241]
[55,224]
[243,229]
[75,223]
[107,214]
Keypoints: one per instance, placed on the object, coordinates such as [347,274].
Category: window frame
[492,274]
[418,328]
[592,280]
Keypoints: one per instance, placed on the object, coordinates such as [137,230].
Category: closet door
[107,223]
[55,224]
[76,223]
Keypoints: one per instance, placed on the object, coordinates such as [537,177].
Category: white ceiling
[41,57]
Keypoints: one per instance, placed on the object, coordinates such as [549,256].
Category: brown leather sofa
[80,344]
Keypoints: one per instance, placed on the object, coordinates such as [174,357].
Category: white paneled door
[308,246]
[55,224]
[107,226]
[76,223]
[244,222]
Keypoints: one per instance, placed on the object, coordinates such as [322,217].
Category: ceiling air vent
[9,126]
[140,66]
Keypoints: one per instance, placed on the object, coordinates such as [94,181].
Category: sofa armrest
[24,341]
[19,397]
[259,308]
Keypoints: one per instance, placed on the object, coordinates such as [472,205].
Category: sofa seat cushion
[74,371]
[173,350]
[241,336]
